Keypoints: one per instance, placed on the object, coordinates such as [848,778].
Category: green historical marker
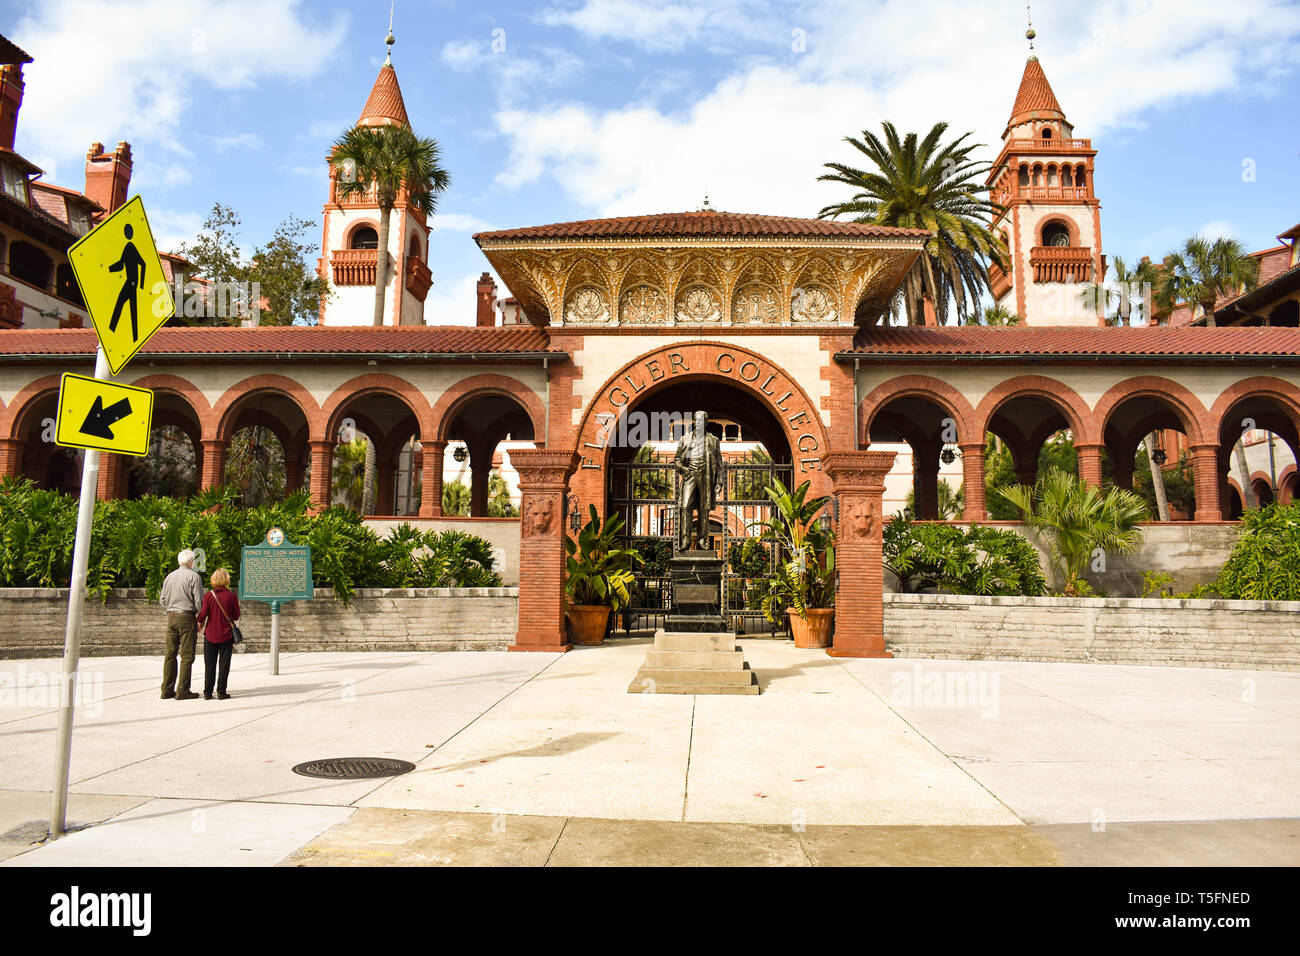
[275,571]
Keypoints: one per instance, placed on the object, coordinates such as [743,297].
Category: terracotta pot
[588,622]
[815,630]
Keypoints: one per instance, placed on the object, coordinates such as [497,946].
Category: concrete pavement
[838,760]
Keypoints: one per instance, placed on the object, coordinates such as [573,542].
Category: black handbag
[236,635]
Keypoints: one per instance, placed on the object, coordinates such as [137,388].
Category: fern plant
[599,571]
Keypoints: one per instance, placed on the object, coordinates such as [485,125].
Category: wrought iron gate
[644,490]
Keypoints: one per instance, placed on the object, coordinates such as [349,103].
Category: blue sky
[583,108]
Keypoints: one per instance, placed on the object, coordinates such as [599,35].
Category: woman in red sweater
[220,609]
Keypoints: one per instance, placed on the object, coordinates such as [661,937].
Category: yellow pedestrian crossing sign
[122,283]
[103,415]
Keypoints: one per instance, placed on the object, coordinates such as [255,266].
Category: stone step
[695,641]
[712,660]
[712,690]
[695,675]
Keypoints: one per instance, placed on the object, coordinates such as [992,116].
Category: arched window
[1051,176]
[1024,175]
[1038,175]
[1047,133]
[1056,234]
[364,238]
[413,248]
[1067,178]
[1081,176]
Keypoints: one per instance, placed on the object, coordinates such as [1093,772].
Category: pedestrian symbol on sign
[133,266]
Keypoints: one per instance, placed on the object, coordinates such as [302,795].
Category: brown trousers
[182,634]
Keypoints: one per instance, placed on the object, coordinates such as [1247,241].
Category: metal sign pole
[275,638]
[72,636]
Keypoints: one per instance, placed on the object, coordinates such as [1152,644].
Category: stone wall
[32,622]
[1254,634]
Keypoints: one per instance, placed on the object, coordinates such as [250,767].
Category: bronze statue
[699,463]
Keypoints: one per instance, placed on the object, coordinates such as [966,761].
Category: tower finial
[1031,32]
[388,58]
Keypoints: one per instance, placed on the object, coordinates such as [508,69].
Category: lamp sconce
[460,453]
[573,512]
[824,520]
[1159,457]
[949,453]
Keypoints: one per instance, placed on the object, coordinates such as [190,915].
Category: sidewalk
[1039,763]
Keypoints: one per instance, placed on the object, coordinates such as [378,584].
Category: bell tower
[1050,217]
[349,245]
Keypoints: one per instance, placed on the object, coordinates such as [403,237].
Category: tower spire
[1031,32]
[388,40]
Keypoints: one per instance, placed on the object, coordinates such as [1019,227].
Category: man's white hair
[184,558]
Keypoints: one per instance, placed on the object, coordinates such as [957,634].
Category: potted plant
[803,587]
[599,576]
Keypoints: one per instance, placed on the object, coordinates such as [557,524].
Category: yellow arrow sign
[122,283]
[103,415]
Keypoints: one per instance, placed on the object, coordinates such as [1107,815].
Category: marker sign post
[275,571]
[122,283]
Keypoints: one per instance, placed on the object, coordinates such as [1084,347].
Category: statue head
[701,419]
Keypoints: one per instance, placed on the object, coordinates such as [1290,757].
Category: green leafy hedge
[971,560]
[135,543]
[1265,561]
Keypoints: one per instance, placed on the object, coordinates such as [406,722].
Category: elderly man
[181,598]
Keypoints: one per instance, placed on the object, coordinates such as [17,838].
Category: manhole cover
[353,768]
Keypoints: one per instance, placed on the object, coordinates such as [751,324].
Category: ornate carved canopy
[703,270]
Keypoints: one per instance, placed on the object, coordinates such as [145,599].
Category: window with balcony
[365,238]
[1056,234]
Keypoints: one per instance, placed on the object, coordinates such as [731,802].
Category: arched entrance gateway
[767,427]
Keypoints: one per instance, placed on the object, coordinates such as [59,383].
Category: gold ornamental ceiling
[703,270]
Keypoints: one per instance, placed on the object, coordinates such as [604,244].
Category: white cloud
[171,228]
[462,55]
[142,61]
[1219,229]
[460,222]
[758,139]
[452,301]
[241,141]
[669,25]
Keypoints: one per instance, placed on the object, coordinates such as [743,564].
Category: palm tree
[349,471]
[1077,519]
[1204,271]
[1201,273]
[388,159]
[921,184]
[994,315]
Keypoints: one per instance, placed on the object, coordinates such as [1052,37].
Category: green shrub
[972,560]
[135,543]
[1265,561]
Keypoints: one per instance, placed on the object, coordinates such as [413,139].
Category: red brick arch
[13,419]
[1185,405]
[222,413]
[377,383]
[919,386]
[198,402]
[699,362]
[1060,396]
[456,397]
[1283,392]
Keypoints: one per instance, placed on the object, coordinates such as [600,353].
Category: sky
[575,109]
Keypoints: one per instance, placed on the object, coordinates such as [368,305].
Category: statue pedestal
[695,653]
[696,578]
[694,663]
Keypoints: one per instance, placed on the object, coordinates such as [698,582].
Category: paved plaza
[533,759]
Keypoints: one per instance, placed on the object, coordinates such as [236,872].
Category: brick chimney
[11,99]
[486,300]
[108,175]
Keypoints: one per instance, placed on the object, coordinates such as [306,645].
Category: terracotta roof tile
[706,223]
[1035,95]
[384,106]
[1067,342]
[271,341]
